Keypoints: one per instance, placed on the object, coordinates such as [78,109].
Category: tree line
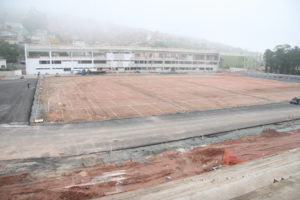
[284,59]
[10,52]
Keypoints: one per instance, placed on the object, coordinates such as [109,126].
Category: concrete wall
[11,73]
[2,63]
[282,77]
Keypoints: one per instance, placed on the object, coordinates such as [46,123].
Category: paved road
[16,100]
[83,138]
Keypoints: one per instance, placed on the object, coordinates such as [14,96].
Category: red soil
[101,180]
[107,97]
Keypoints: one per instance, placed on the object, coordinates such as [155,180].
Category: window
[99,61]
[182,56]
[199,57]
[212,57]
[60,54]
[43,62]
[42,68]
[98,54]
[82,54]
[158,62]
[56,61]
[84,62]
[67,69]
[37,54]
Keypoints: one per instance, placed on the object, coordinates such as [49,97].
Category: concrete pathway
[20,142]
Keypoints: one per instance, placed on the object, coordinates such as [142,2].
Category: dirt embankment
[101,180]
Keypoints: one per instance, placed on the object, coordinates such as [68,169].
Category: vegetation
[248,62]
[9,51]
[283,60]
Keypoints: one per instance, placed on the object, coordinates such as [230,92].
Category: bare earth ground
[102,180]
[107,97]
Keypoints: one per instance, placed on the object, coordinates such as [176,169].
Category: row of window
[168,68]
[34,54]
[172,62]
[65,69]
[142,68]
[136,62]
[43,62]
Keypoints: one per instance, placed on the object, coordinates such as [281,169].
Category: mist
[251,24]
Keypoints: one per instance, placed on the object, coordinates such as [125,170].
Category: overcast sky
[250,24]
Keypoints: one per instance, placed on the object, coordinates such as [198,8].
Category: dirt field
[102,180]
[107,97]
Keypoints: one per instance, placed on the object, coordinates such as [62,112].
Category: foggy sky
[250,24]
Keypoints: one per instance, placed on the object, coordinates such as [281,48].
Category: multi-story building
[72,59]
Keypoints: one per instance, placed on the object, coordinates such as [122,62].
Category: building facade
[75,59]
[2,63]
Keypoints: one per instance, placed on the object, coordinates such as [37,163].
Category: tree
[268,57]
[9,51]
[283,59]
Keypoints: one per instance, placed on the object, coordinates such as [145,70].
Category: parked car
[295,101]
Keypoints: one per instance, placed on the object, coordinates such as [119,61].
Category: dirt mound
[103,180]
[271,133]
[15,179]
[230,159]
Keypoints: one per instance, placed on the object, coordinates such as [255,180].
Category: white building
[2,63]
[70,59]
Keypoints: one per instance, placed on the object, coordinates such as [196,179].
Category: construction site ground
[80,98]
[221,136]
[88,181]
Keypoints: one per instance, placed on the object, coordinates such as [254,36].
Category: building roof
[113,48]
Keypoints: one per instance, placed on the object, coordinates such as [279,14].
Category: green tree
[268,58]
[9,51]
[283,59]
